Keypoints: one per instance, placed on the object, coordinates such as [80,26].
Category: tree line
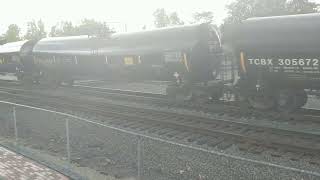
[36,30]
[243,9]
[238,10]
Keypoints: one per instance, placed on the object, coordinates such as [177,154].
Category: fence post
[139,157]
[15,125]
[68,141]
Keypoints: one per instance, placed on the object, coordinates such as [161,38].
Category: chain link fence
[120,153]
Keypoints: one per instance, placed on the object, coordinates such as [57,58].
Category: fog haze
[135,14]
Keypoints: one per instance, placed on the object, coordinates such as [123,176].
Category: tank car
[64,59]
[16,62]
[188,55]
[278,59]
[191,55]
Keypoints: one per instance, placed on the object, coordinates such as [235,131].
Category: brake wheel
[290,100]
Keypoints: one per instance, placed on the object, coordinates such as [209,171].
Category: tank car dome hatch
[71,45]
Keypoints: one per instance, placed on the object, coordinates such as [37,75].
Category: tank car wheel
[289,100]
[54,82]
[185,96]
[228,94]
[171,91]
[36,79]
[51,79]
[302,98]
[179,94]
[285,100]
[261,101]
[27,81]
[200,97]
[69,82]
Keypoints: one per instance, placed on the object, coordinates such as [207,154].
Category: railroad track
[219,108]
[121,91]
[232,109]
[310,112]
[304,117]
[213,133]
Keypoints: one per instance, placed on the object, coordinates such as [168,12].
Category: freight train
[269,62]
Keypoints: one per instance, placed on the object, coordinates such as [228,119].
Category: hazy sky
[135,13]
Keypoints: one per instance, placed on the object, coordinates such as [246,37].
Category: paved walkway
[17,167]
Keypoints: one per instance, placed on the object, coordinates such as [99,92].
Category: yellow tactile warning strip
[16,167]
